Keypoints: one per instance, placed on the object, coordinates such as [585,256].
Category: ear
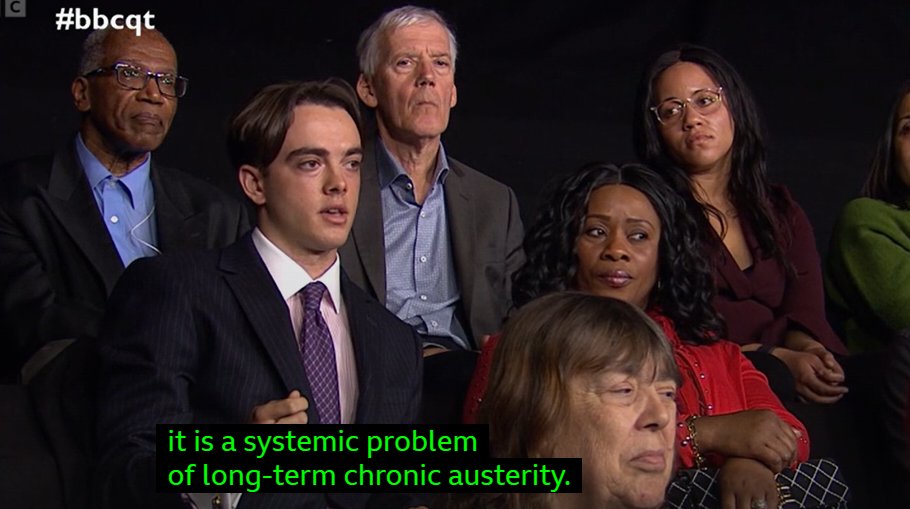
[454,100]
[81,98]
[251,181]
[365,91]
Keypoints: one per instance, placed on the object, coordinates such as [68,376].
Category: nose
[335,182]
[691,117]
[616,247]
[658,411]
[425,75]
[150,92]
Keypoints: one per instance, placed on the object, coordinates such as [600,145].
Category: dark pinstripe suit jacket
[205,337]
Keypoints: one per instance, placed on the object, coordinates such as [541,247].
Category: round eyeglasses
[704,101]
[135,78]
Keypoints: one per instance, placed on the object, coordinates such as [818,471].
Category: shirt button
[409,186]
[423,297]
[423,259]
[423,214]
[434,323]
[115,219]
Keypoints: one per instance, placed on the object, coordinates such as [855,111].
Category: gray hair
[93,48]
[368,51]
[93,51]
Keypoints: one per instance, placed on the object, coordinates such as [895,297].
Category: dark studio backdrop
[542,86]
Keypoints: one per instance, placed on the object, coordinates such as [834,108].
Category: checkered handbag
[813,484]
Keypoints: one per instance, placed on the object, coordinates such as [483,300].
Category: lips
[654,461]
[615,278]
[698,138]
[335,215]
[148,119]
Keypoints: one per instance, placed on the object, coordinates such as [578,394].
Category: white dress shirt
[290,278]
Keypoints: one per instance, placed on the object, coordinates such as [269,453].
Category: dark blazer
[58,263]
[485,231]
[215,340]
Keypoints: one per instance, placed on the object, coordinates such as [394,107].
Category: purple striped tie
[318,354]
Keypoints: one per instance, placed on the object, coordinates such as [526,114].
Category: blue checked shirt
[421,287]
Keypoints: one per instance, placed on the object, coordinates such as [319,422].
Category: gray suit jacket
[486,234]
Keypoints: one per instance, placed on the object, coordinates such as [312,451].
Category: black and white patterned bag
[814,484]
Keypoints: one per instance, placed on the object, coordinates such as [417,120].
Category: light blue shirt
[421,287]
[127,205]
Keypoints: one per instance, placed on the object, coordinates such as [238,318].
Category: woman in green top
[868,272]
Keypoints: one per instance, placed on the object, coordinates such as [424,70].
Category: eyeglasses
[705,101]
[135,78]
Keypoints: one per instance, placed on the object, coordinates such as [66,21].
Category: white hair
[368,47]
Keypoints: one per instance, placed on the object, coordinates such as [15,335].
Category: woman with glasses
[697,123]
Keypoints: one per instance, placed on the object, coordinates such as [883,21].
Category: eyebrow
[695,91]
[634,220]
[321,152]
[140,65]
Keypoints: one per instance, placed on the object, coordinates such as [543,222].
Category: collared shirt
[127,204]
[290,278]
[421,287]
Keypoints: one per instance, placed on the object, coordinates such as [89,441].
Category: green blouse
[868,272]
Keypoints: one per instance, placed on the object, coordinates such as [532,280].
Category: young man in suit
[232,336]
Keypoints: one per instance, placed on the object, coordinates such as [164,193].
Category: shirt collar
[289,276]
[390,169]
[136,181]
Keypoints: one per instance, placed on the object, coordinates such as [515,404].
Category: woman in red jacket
[622,232]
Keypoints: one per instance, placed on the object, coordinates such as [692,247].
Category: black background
[543,86]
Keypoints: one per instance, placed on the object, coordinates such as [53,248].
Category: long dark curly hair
[750,191]
[685,285]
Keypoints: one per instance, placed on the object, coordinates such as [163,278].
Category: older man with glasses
[71,223]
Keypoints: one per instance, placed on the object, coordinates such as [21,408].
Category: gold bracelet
[693,440]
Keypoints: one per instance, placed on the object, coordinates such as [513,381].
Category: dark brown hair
[257,132]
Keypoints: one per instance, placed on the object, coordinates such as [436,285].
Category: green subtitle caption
[269,462]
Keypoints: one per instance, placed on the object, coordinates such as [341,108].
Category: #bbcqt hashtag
[73,17]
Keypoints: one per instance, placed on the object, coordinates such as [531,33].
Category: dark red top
[762,302]
[716,379]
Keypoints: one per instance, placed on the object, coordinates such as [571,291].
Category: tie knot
[312,295]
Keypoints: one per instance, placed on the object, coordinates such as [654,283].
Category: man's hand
[291,410]
[433,350]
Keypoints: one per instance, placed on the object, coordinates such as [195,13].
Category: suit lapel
[72,203]
[260,300]
[179,225]
[460,217]
[362,327]
[367,233]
